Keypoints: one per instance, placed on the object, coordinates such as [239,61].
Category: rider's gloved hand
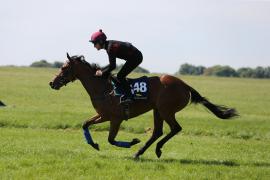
[99,73]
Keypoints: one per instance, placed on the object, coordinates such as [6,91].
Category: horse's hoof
[136,156]
[135,141]
[96,146]
[158,153]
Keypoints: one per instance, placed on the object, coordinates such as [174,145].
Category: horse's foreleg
[90,121]
[158,126]
[94,120]
[114,128]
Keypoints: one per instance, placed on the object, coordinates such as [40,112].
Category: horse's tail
[220,111]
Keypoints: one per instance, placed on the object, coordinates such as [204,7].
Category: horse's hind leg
[157,132]
[175,128]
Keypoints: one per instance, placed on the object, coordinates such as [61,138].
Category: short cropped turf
[41,136]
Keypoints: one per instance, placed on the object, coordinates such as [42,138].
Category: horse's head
[66,74]
[75,67]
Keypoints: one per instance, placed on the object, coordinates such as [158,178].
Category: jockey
[121,50]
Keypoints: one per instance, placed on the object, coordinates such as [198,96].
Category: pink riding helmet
[98,36]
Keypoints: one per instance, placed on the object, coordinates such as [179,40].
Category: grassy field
[41,136]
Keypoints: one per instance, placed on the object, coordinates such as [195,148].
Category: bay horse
[167,95]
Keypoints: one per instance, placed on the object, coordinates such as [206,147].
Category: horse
[167,96]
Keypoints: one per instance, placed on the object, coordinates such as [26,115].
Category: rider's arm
[107,69]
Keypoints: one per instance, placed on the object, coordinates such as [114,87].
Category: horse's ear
[69,58]
[82,58]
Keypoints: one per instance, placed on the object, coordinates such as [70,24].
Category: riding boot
[127,97]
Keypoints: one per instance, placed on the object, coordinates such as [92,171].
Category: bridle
[67,73]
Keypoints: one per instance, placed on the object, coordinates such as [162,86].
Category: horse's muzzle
[54,86]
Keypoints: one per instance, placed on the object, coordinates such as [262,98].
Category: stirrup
[124,99]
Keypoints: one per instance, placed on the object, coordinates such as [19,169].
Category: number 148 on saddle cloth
[138,87]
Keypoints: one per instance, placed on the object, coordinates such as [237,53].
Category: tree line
[58,64]
[225,71]
[44,63]
[188,69]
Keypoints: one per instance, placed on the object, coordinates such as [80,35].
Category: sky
[167,32]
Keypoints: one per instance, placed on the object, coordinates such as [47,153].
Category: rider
[121,50]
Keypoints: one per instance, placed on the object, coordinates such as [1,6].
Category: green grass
[40,135]
[62,154]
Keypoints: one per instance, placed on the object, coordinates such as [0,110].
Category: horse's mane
[82,60]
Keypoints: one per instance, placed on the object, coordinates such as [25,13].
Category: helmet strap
[102,43]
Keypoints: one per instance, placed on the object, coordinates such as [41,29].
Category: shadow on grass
[228,163]
[189,161]
[203,162]
[209,162]
[225,163]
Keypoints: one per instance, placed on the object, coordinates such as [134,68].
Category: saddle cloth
[139,88]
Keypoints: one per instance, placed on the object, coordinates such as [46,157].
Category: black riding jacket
[121,50]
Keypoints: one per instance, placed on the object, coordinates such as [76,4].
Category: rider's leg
[129,66]
[125,86]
